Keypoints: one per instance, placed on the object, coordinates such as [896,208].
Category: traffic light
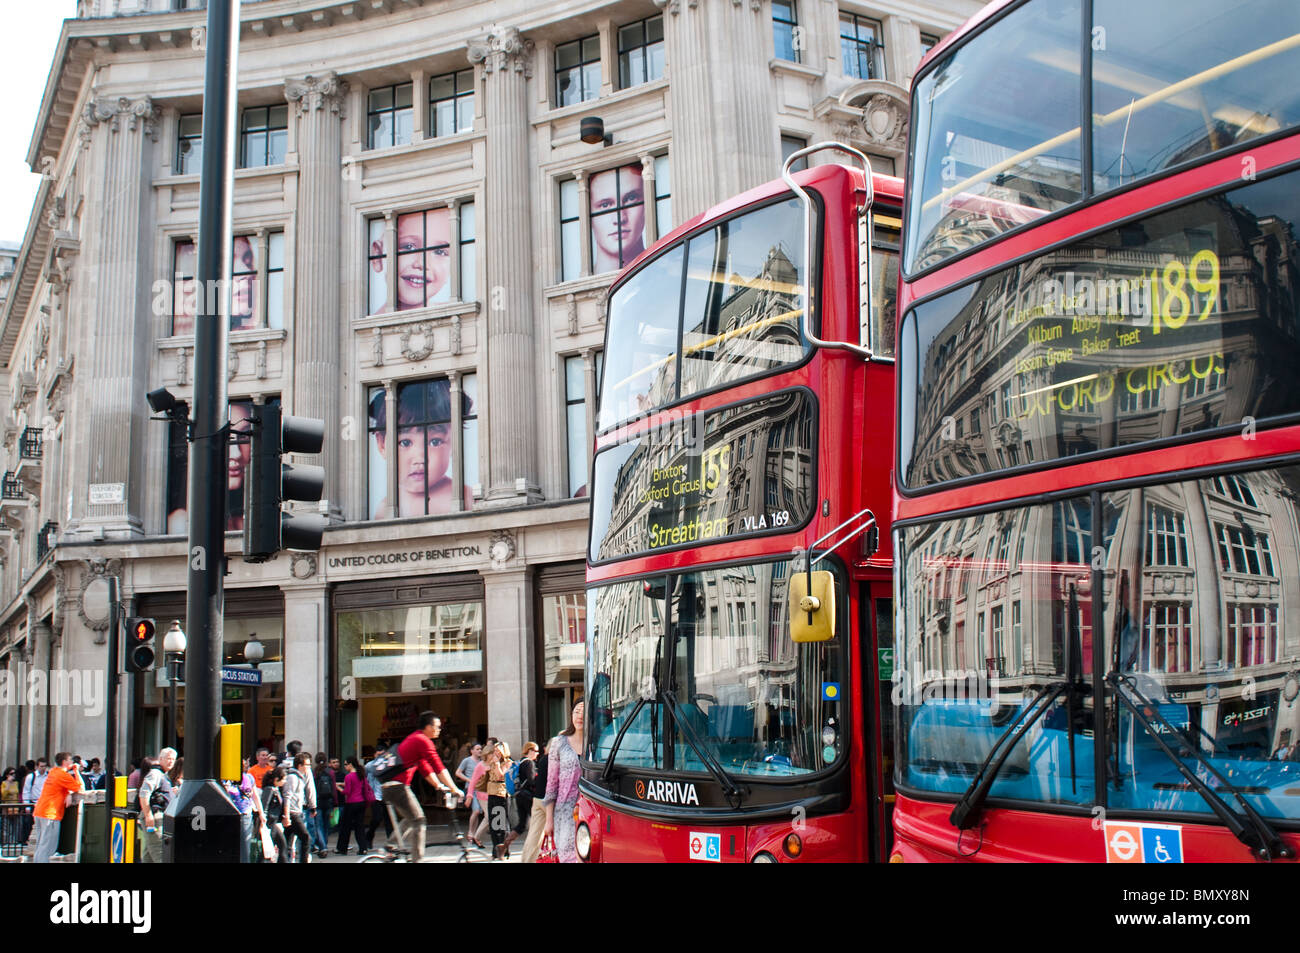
[270,481]
[140,654]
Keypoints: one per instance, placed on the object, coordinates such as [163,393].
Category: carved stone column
[512,433]
[115,302]
[318,103]
[711,105]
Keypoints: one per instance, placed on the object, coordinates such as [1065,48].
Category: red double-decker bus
[729,718]
[1097,496]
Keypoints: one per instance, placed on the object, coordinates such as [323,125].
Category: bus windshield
[758,703]
[723,306]
[1195,614]
[996,128]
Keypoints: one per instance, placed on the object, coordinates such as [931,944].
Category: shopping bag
[547,854]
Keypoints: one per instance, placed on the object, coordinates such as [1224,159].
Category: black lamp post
[174,652]
[254,652]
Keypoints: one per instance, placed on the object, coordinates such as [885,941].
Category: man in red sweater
[417,754]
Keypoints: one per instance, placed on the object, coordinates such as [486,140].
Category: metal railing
[31,442]
[15,828]
[11,488]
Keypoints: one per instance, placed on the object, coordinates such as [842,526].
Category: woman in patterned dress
[562,787]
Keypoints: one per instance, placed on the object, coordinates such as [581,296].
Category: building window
[1167,637]
[1166,538]
[861,50]
[451,103]
[570,232]
[391,118]
[189,145]
[467,262]
[240,415]
[577,71]
[425,481]
[256,288]
[263,136]
[1235,488]
[469,433]
[928,42]
[423,260]
[789,146]
[640,52]
[663,197]
[575,414]
[408,649]
[1243,550]
[786,33]
[1251,635]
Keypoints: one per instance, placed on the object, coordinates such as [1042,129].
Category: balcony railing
[12,487]
[49,535]
[32,442]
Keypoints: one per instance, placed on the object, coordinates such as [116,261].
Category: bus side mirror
[812,607]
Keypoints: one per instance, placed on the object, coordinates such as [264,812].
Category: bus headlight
[763,857]
[582,841]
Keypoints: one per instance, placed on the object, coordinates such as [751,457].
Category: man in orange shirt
[258,771]
[61,782]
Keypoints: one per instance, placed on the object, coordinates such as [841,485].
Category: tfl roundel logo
[640,789]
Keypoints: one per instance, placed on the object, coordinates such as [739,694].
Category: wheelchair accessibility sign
[706,846]
[1128,843]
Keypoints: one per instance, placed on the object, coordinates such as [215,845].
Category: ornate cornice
[503,48]
[317,92]
[140,114]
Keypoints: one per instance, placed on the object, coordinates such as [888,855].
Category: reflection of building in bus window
[617,217]
[423,259]
[425,472]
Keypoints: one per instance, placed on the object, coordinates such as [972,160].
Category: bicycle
[400,853]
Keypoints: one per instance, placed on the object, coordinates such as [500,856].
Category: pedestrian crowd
[291,803]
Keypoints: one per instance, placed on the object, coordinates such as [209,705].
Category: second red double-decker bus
[732,714]
[1097,522]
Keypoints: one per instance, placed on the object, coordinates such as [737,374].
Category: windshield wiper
[1262,840]
[734,794]
[651,699]
[608,771]
[967,812]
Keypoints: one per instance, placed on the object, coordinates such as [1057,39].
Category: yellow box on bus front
[812,607]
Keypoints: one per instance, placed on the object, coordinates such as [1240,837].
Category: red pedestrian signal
[140,654]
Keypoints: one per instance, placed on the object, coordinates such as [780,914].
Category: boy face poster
[421,452]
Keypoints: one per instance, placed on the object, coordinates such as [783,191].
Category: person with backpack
[273,812]
[155,794]
[299,799]
[326,801]
[415,753]
[520,779]
[378,812]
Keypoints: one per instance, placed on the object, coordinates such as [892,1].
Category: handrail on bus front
[864,348]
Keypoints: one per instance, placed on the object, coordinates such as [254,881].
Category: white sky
[28,34]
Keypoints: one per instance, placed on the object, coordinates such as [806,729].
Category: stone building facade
[423,243]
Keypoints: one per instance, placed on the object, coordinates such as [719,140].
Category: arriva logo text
[668,792]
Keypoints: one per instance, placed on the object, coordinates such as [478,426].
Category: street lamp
[254,652]
[174,651]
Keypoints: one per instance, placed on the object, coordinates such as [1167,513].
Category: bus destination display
[738,471]
[1153,329]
